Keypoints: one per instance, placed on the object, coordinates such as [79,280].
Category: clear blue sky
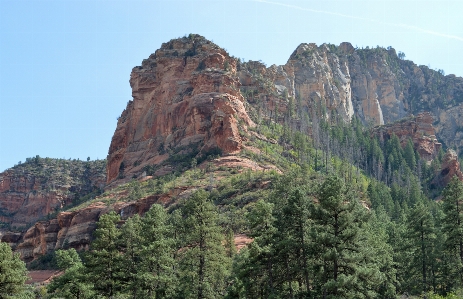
[65,65]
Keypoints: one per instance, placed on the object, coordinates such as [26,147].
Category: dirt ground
[41,276]
[241,241]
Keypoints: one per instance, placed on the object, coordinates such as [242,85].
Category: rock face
[372,84]
[419,129]
[70,229]
[40,186]
[186,101]
[321,78]
[450,168]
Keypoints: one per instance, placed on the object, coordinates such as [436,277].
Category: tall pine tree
[453,222]
[204,264]
[158,265]
[421,234]
[105,256]
[343,265]
[13,274]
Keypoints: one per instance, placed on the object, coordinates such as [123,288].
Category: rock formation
[419,129]
[40,186]
[70,229]
[450,168]
[372,84]
[192,99]
[186,101]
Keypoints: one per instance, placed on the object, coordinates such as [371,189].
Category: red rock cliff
[419,129]
[70,229]
[186,100]
[40,186]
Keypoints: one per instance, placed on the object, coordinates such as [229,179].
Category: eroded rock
[186,100]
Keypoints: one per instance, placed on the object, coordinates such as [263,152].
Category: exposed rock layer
[450,168]
[419,129]
[40,186]
[372,84]
[191,98]
[186,101]
[70,229]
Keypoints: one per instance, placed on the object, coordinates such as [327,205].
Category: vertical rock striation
[186,101]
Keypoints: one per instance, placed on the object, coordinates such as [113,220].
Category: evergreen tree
[382,253]
[131,259]
[453,223]
[291,245]
[157,264]
[422,266]
[409,155]
[203,261]
[380,195]
[13,275]
[71,284]
[104,258]
[230,244]
[344,267]
[253,267]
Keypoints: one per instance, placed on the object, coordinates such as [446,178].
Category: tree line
[313,237]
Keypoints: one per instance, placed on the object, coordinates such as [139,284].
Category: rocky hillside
[40,187]
[419,129]
[373,84]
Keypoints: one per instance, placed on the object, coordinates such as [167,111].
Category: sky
[65,65]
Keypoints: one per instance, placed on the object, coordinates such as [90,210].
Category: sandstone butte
[186,99]
[192,98]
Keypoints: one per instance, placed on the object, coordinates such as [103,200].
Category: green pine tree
[13,275]
[291,244]
[103,261]
[157,264]
[453,223]
[71,284]
[253,267]
[421,234]
[343,262]
[130,262]
[203,263]
[409,155]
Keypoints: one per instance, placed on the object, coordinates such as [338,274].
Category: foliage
[13,275]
